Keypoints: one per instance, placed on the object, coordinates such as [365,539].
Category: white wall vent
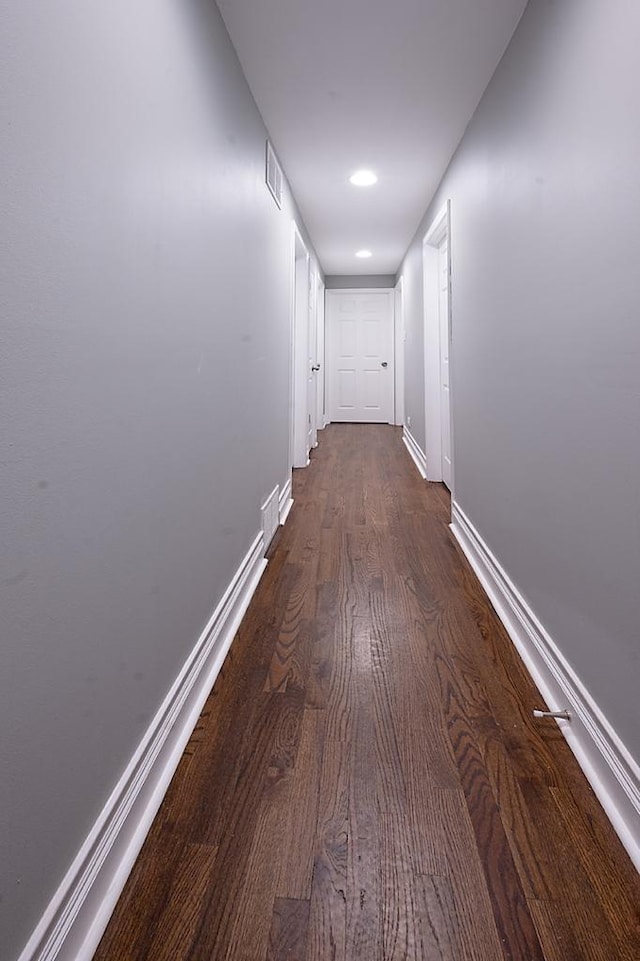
[270,516]
[274,175]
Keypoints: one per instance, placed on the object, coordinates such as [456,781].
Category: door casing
[320,355]
[400,337]
[299,332]
[439,230]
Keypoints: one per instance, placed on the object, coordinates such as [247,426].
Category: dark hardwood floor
[366,780]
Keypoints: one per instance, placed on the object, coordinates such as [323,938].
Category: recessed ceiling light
[363,253]
[363,178]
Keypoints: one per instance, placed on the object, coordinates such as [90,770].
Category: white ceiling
[384,84]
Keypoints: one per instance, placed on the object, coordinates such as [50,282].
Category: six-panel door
[360,361]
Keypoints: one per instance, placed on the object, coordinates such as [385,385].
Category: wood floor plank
[599,925]
[513,920]
[296,856]
[327,916]
[559,929]
[398,895]
[329,553]
[522,831]
[339,711]
[322,639]
[289,930]
[252,920]
[437,922]
[366,781]
[364,919]
[173,934]
[144,900]
[508,701]
[299,610]
[477,935]
[615,883]
[268,740]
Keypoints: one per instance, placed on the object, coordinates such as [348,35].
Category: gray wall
[143,389]
[546,290]
[348,281]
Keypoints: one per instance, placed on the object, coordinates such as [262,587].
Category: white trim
[399,337]
[300,307]
[286,501]
[320,355]
[439,229]
[415,451]
[77,915]
[609,767]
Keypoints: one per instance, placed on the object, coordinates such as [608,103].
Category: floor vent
[274,175]
[270,516]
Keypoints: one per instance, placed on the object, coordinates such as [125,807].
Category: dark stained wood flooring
[366,780]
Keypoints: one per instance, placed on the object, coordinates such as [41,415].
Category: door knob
[315,367]
[384,364]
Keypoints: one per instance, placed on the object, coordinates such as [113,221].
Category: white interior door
[445,340]
[360,356]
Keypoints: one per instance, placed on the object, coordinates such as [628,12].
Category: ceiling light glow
[363,178]
[363,254]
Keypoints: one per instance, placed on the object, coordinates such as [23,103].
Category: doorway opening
[436,260]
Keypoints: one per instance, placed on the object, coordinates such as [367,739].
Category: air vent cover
[274,175]
[270,516]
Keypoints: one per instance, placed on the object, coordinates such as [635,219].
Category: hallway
[366,780]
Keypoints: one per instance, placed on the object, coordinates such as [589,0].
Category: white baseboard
[286,500]
[418,456]
[609,767]
[77,916]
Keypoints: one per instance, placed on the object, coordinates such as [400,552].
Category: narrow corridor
[366,780]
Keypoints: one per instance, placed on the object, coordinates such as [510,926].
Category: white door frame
[312,374]
[320,359]
[299,332]
[439,229]
[399,335]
